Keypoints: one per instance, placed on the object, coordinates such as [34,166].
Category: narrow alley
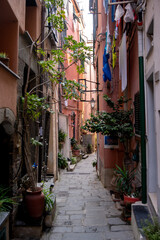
[85,210]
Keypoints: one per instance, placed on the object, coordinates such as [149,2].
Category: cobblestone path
[85,210]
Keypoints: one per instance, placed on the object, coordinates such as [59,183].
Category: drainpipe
[41,95]
[142,107]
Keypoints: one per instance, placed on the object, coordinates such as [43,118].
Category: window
[137,113]
[149,38]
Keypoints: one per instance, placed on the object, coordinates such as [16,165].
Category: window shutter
[137,113]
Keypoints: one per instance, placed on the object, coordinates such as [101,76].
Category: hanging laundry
[108,38]
[116,28]
[119,12]
[113,10]
[106,68]
[114,56]
[129,16]
[105,5]
[123,62]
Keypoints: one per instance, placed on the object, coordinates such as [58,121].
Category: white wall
[64,126]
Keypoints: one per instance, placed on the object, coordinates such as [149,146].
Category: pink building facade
[109,157]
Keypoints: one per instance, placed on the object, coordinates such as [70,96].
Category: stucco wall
[8,90]
[152,85]
[18,7]
[63,125]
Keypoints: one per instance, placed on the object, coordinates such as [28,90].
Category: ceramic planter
[128,199]
[76,152]
[35,202]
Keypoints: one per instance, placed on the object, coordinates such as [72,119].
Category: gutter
[142,108]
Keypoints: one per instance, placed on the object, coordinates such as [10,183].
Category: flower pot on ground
[73,142]
[62,161]
[124,183]
[34,202]
[61,138]
[130,199]
[76,150]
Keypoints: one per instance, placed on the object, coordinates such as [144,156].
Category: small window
[137,113]
[150,38]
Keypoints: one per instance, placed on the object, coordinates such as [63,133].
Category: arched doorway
[4,156]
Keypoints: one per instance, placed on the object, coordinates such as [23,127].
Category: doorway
[4,157]
[151,146]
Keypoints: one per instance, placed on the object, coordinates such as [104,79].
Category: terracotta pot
[34,201]
[128,199]
[76,152]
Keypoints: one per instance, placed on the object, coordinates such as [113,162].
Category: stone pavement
[85,210]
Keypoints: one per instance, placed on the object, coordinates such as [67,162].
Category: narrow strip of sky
[88,18]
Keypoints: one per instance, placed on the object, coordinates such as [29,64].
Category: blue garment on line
[105,4]
[113,10]
[106,68]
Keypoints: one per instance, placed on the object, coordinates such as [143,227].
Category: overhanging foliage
[117,122]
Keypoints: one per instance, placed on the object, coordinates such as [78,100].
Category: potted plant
[94,164]
[73,160]
[61,138]
[152,229]
[4,58]
[76,150]
[73,142]
[125,186]
[62,161]
[6,201]
[50,206]
[89,148]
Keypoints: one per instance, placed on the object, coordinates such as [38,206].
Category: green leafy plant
[94,164]
[34,105]
[6,202]
[76,147]
[36,142]
[117,122]
[73,160]
[62,161]
[3,55]
[152,229]
[49,198]
[73,142]
[124,180]
[89,148]
[61,136]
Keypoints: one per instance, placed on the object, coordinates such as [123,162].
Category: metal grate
[137,113]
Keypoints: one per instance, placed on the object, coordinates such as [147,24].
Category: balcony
[8,88]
